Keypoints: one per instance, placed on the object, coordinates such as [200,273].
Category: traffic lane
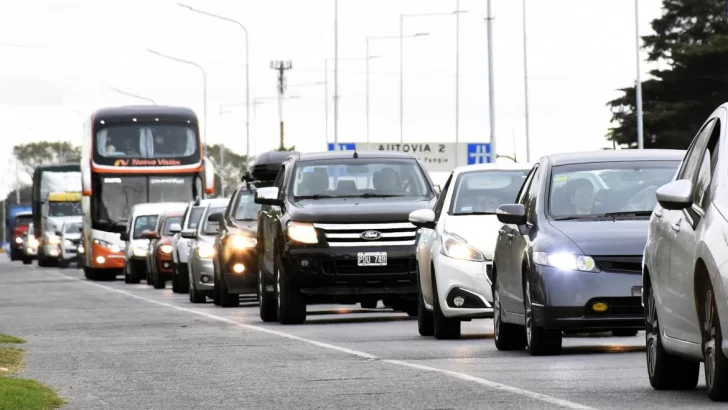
[106,349]
[600,371]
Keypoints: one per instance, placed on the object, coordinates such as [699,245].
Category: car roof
[616,155]
[157,208]
[520,166]
[316,156]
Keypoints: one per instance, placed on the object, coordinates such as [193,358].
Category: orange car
[160,265]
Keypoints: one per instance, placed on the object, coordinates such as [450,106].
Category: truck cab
[334,228]
[59,208]
[17,228]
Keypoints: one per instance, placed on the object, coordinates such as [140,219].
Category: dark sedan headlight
[457,248]
[565,261]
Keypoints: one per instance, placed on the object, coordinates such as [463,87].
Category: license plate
[372,258]
[637,291]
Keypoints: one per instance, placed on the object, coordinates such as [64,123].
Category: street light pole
[401,61]
[368,57]
[525,85]
[457,82]
[139,97]
[491,86]
[247,72]
[336,75]
[638,84]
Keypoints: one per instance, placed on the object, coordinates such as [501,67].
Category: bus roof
[144,113]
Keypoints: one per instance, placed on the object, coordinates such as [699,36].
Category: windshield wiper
[370,195]
[316,196]
[474,213]
[627,213]
[246,219]
[573,217]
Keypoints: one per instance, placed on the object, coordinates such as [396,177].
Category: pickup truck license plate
[372,258]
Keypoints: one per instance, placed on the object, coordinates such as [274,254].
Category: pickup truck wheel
[127,274]
[195,295]
[158,281]
[266,300]
[444,328]
[666,371]
[27,261]
[425,324]
[290,301]
[227,299]
[89,273]
[182,276]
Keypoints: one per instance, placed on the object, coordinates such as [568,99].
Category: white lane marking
[462,376]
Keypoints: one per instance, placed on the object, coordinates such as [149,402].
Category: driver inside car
[581,194]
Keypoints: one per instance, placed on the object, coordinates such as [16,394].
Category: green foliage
[5,339]
[27,394]
[32,154]
[691,37]
[235,165]
[291,148]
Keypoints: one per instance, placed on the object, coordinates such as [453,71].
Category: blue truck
[17,219]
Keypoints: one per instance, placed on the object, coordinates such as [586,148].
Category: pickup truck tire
[27,261]
[157,280]
[196,296]
[182,276]
[291,302]
[267,300]
[89,273]
[227,299]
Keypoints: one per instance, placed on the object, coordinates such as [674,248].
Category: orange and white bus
[133,155]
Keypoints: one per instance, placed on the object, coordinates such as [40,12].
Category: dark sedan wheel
[666,371]
[716,364]
[444,328]
[539,341]
[266,300]
[425,321]
[507,335]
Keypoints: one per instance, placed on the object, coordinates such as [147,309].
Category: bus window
[147,141]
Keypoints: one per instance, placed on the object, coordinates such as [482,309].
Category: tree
[234,167]
[32,154]
[291,148]
[691,37]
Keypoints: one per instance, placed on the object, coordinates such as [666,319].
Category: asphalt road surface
[107,345]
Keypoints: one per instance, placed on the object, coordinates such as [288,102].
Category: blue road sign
[479,153]
[343,146]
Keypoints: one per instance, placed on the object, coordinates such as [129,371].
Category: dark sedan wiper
[316,196]
[474,213]
[627,213]
[573,217]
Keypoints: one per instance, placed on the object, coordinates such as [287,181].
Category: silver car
[685,274]
[181,246]
[71,242]
[200,263]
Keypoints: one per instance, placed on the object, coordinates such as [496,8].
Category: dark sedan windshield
[576,194]
[246,209]
[358,178]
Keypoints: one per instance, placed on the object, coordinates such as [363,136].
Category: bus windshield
[64,208]
[115,196]
[176,143]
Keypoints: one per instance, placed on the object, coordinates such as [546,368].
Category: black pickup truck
[334,228]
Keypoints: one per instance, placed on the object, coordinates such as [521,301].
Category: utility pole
[525,85]
[457,82]
[491,85]
[336,75]
[638,82]
[281,67]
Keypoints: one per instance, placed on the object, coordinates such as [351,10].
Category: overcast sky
[59,58]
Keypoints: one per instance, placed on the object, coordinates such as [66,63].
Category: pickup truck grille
[380,234]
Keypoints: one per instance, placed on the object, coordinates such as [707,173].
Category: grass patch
[26,394]
[11,358]
[5,339]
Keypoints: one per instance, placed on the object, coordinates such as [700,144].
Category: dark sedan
[569,255]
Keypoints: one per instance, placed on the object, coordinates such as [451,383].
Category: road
[110,345]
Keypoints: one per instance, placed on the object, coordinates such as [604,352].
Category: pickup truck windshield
[358,178]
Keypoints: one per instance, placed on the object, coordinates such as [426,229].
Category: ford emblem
[371,235]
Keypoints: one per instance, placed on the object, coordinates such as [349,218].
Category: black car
[334,228]
[569,257]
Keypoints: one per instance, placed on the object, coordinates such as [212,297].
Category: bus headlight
[108,245]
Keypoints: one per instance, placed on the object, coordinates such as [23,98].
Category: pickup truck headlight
[242,242]
[457,248]
[165,249]
[565,261]
[205,251]
[302,232]
[52,240]
[32,242]
[140,252]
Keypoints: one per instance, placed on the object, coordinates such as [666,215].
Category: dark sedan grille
[620,264]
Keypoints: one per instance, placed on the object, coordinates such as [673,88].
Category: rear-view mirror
[175,228]
[59,233]
[188,234]
[215,217]
[512,214]
[212,229]
[267,196]
[423,218]
[675,195]
[124,236]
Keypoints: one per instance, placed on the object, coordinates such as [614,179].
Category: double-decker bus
[133,155]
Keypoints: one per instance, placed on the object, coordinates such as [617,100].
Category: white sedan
[455,249]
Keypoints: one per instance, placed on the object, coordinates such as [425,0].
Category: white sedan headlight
[457,248]
[565,261]
[140,252]
[166,249]
[205,251]
[302,232]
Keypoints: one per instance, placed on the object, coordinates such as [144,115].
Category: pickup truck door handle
[676,225]
[658,213]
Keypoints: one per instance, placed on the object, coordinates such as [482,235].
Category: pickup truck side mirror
[124,236]
[215,217]
[188,234]
[175,228]
[267,196]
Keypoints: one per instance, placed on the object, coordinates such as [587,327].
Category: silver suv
[685,274]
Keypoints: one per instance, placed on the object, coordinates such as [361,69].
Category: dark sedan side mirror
[676,195]
[188,234]
[512,214]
